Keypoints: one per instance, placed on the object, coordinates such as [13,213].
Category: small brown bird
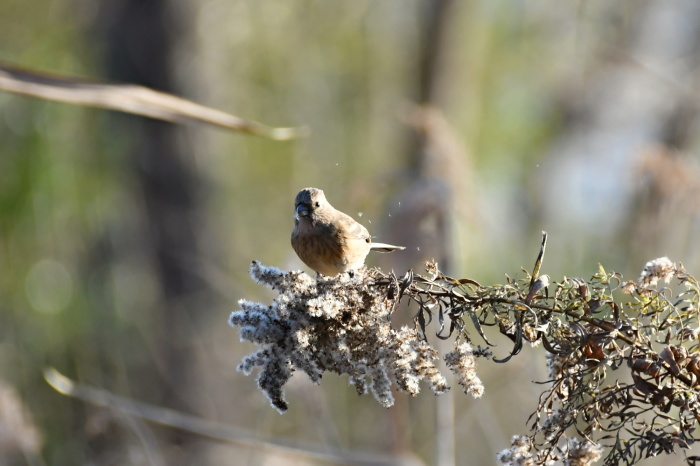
[327,240]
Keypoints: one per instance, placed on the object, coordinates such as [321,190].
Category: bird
[327,240]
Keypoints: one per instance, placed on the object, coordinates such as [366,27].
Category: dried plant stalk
[646,336]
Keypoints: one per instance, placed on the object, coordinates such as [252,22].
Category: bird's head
[308,202]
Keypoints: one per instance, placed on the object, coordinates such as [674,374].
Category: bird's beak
[302,211]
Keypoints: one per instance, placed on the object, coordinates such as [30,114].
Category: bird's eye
[318,204]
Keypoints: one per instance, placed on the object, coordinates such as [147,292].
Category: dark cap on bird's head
[307,200]
[308,196]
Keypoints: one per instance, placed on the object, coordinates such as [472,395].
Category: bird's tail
[381,247]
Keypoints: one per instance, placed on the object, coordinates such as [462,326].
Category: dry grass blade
[204,427]
[131,98]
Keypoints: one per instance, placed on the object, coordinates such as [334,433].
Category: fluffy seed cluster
[462,362]
[563,370]
[657,269]
[337,324]
[518,454]
[580,453]
[554,423]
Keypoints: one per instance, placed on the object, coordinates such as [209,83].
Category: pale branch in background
[207,428]
[590,329]
[130,98]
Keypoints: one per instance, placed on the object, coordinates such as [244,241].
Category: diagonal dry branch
[206,428]
[131,98]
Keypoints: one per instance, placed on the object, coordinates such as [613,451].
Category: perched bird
[327,240]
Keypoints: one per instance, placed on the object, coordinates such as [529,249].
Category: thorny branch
[647,336]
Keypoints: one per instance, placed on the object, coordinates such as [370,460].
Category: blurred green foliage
[78,293]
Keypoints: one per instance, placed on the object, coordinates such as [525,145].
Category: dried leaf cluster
[623,357]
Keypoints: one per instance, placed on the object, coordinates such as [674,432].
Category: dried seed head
[462,363]
[657,269]
[518,454]
[582,453]
[336,324]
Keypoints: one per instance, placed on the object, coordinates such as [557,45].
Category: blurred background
[458,129]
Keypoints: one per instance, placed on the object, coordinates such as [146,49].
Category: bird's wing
[352,230]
